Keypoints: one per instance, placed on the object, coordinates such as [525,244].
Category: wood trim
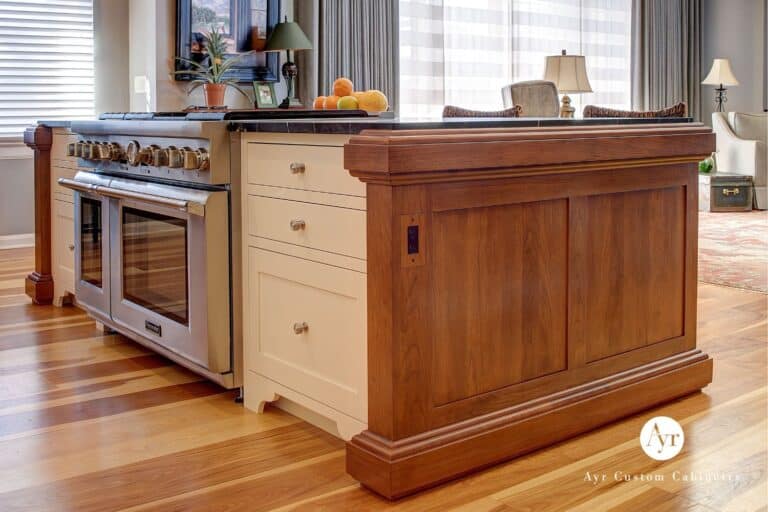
[39,284]
[400,468]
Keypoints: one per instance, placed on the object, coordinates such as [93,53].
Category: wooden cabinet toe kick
[523,286]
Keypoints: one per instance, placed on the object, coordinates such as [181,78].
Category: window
[46,62]
[462,52]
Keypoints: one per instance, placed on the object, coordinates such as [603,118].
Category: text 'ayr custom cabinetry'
[304,263]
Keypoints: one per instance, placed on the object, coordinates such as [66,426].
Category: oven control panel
[177,151]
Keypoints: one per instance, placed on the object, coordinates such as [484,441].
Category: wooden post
[39,284]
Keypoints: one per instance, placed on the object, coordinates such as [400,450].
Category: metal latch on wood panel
[412,240]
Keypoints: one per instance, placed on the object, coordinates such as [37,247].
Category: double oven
[153,238]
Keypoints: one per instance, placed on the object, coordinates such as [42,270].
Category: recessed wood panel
[628,268]
[499,296]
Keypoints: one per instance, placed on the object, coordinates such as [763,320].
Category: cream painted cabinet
[305,283]
[62,221]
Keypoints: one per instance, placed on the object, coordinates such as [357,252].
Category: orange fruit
[373,101]
[318,104]
[343,87]
[331,102]
[348,103]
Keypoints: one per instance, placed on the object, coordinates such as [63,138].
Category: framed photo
[246,25]
[264,92]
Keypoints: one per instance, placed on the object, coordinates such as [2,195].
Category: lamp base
[566,110]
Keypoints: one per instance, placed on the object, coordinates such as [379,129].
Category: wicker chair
[538,98]
[452,111]
[679,110]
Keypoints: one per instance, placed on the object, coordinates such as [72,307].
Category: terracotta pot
[214,94]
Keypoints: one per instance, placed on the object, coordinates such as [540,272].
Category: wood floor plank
[92,422]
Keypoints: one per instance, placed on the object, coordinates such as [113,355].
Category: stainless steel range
[157,237]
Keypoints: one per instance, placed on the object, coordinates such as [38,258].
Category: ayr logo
[662,438]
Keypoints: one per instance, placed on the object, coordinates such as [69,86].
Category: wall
[152,39]
[734,30]
[110,55]
[17,213]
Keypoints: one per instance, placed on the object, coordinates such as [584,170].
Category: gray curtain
[666,54]
[358,39]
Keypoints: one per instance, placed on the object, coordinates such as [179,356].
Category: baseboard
[17,241]
[398,468]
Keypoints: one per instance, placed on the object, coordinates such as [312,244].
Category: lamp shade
[720,74]
[287,35]
[568,72]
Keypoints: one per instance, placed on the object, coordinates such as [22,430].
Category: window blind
[462,52]
[46,62]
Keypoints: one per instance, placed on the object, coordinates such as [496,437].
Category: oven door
[170,280]
[92,252]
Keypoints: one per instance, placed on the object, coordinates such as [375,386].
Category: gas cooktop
[232,115]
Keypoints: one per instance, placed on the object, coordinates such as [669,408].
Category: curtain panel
[666,54]
[359,39]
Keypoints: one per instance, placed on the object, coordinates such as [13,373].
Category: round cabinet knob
[300,327]
[191,159]
[71,247]
[298,168]
[159,156]
[175,157]
[298,224]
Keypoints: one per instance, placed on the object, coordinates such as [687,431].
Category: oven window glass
[90,241]
[155,263]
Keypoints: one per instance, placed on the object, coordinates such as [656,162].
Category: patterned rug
[733,249]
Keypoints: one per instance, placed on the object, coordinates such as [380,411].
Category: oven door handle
[178,204]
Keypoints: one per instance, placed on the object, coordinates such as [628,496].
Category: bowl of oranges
[345,97]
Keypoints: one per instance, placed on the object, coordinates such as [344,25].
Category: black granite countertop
[352,126]
[356,125]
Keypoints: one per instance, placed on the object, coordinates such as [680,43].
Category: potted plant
[210,73]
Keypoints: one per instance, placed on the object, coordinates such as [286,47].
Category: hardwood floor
[92,422]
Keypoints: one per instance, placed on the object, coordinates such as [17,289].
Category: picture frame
[246,24]
[264,94]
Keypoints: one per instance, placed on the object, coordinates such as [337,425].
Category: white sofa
[742,148]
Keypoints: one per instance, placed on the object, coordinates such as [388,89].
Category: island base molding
[397,468]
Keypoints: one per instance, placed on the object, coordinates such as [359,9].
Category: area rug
[733,249]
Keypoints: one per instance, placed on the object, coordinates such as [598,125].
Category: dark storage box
[731,193]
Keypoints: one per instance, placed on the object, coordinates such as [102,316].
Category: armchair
[742,147]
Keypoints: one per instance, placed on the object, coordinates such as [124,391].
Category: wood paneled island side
[524,285]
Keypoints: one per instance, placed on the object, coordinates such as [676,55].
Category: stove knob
[71,148]
[79,145]
[175,157]
[159,156]
[136,155]
[102,151]
[191,159]
[203,158]
[89,150]
[132,153]
[115,151]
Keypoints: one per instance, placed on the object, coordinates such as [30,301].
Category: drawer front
[327,360]
[59,192]
[59,149]
[323,168]
[64,245]
[327,228]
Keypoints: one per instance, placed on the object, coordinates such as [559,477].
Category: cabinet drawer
[59,148]
[64,245]
[270,164]
[327,361]
[59,192]
[327,228]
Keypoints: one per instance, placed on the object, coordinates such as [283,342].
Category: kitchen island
[447,297]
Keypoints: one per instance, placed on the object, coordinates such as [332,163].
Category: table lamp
[569,74]
[720,75]
[288,36]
